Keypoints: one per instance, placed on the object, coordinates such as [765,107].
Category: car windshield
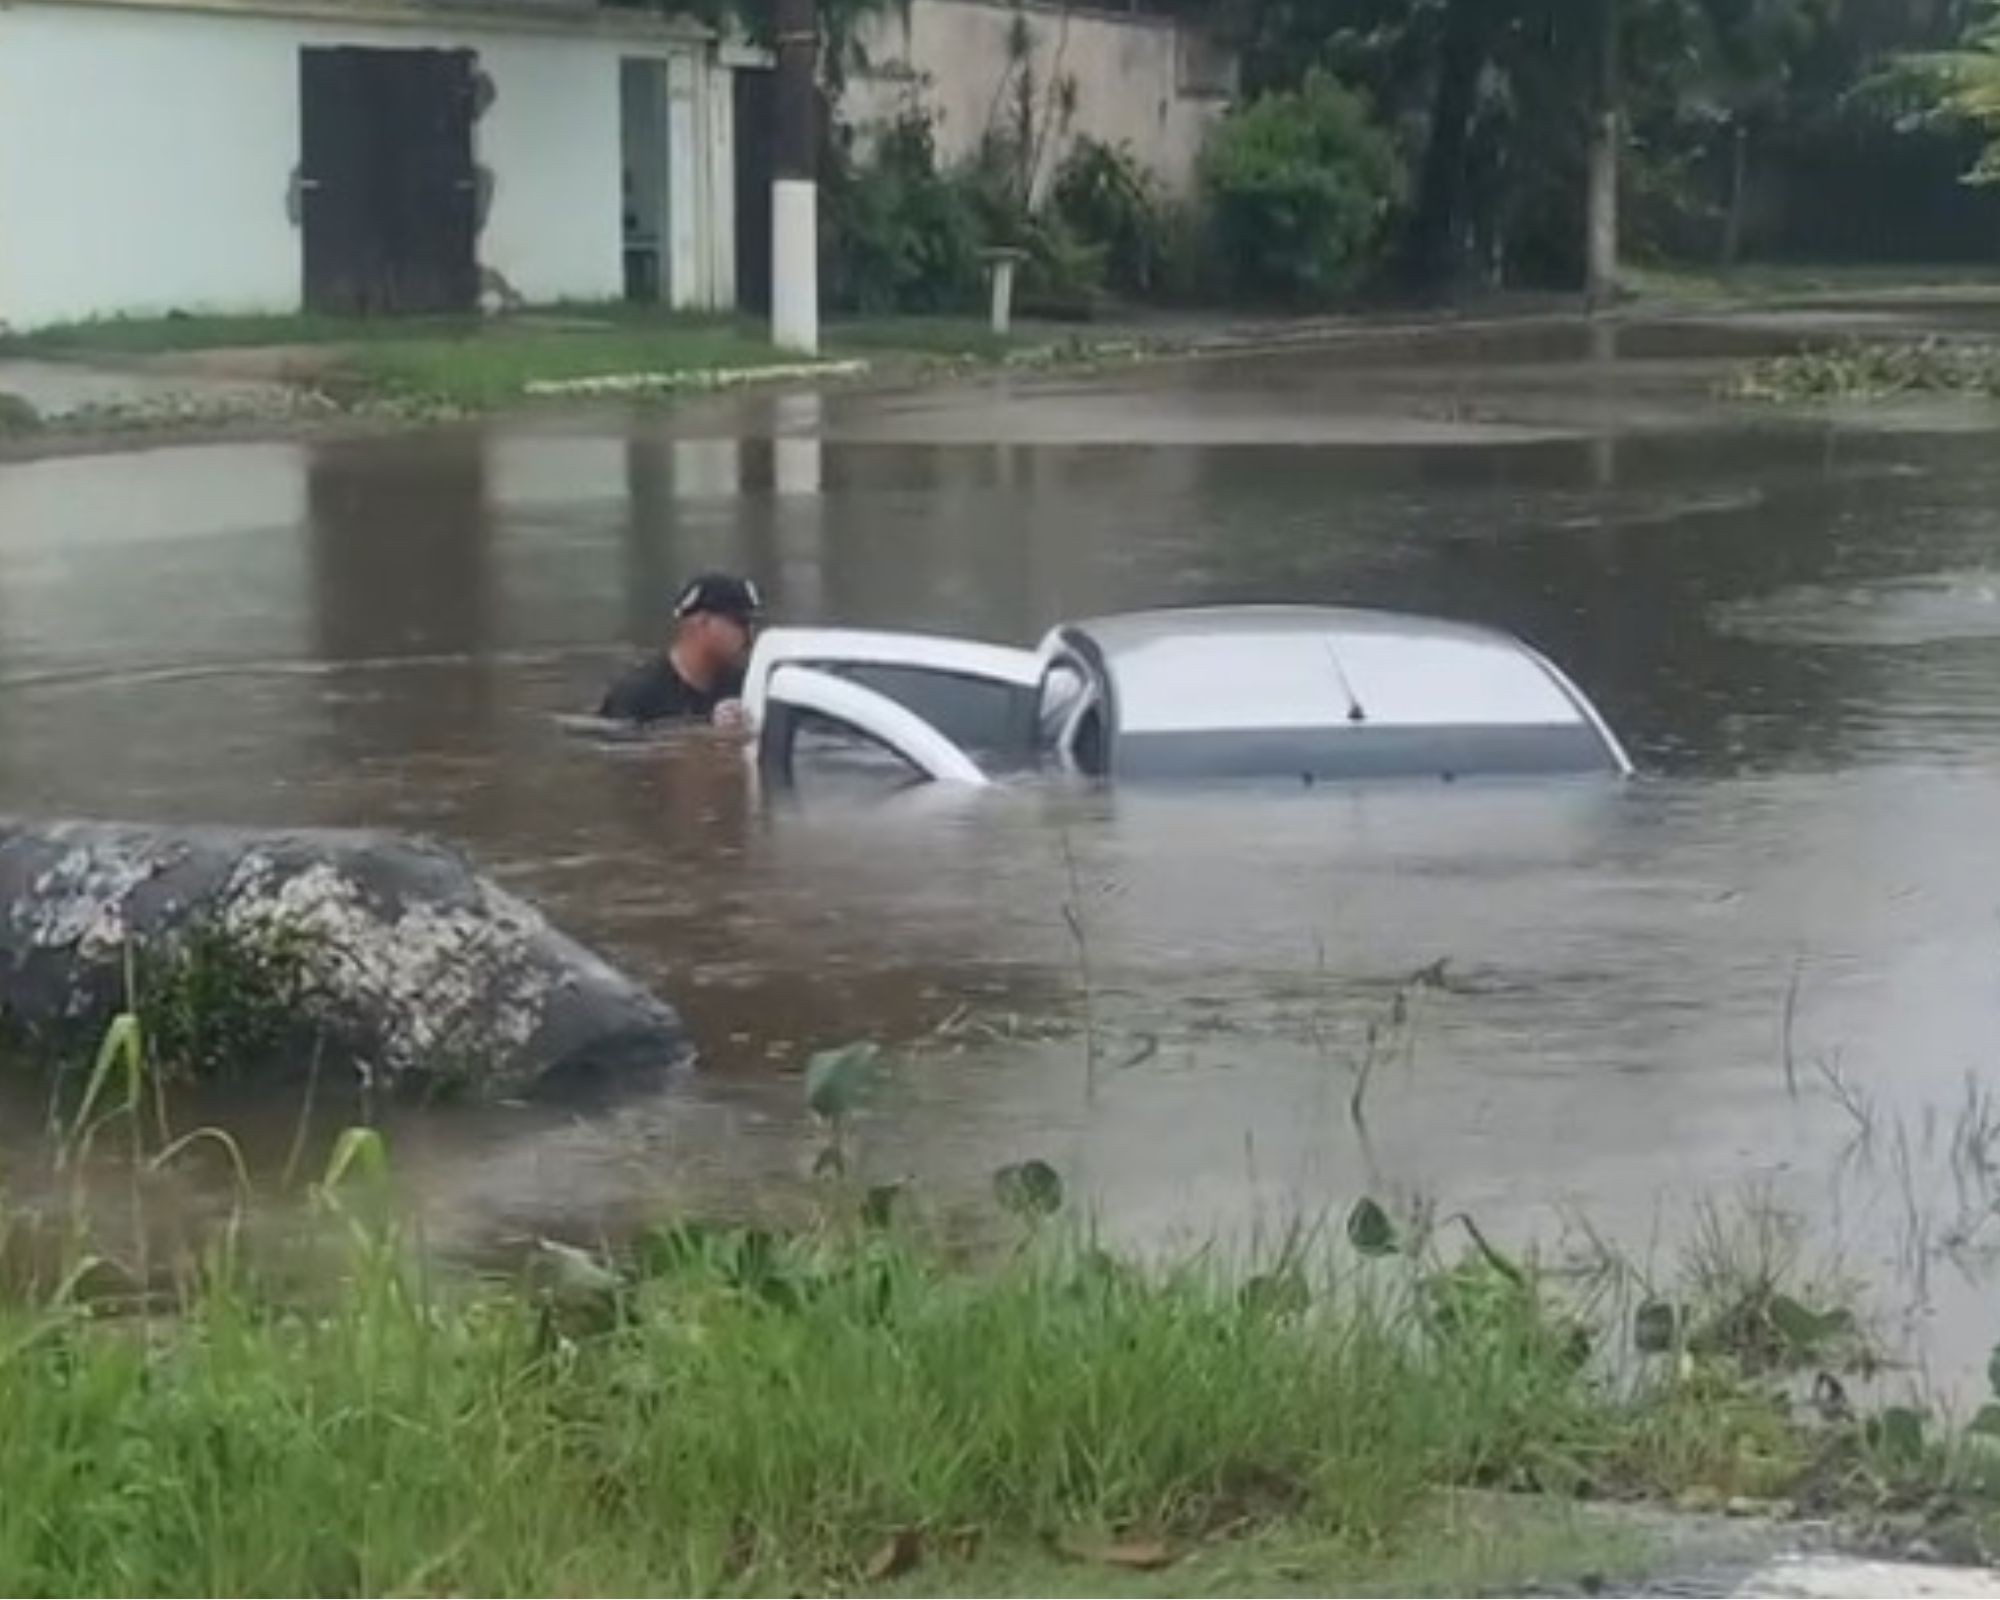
[832,758]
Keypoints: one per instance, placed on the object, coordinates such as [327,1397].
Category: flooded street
[1771,963]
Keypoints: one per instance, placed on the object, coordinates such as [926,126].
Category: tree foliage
[1961,85]
[903,235]
[1442,143]
[1302,183]
[1490,103]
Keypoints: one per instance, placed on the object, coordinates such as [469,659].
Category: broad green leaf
[573,1273]
[836,1080]
[122,1051]
[1369,1229]
[357,1150]
[1838,1323]
[1802,1328]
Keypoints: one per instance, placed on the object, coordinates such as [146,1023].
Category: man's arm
[618,703]
[636,696]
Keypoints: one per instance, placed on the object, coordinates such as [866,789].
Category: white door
[801,703]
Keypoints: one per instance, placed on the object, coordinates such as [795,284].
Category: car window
[986,717]
[831,757]
[1349,751]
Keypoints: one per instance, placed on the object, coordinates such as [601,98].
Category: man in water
[700,672]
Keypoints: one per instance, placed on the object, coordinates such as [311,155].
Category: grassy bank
[1397,1405]
[734,1412]
[860,1406]
[317,367]
[478,371]
[471,363]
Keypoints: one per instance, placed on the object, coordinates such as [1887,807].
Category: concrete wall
[146,155]
[1136,81]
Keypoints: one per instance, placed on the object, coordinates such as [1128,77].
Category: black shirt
[653,692]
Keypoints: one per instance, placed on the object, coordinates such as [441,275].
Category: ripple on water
[1886,613]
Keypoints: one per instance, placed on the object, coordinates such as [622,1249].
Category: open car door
[796,700]
[980,696]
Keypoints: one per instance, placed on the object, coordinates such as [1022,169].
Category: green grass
[183,332]
[489,369]
[473,363]
[737,1412]
[858,1405]
[854,1405]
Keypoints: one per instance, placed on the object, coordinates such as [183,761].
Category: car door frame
[789,677]
[819,647]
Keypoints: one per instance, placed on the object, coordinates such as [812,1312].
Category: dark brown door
[388,198]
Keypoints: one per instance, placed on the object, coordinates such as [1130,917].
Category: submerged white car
[1274,693]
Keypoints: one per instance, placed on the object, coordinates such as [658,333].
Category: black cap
[722,594]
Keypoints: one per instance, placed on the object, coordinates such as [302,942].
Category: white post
[795,265]
[1003,295]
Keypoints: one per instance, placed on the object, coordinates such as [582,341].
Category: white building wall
[146,154]
[953,56]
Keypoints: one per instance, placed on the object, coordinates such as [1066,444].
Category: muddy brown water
[1793,620]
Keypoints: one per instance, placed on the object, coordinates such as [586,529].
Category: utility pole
[1601,197]
[794,185]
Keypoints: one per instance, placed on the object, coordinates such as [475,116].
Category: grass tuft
[1871,371]
[733,1410]
[857,1406]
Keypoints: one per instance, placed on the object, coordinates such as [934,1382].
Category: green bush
[1106,198]
[1301,187]
[1063,273]
[220,1004]
[901,235]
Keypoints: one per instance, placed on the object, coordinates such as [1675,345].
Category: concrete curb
[700,378]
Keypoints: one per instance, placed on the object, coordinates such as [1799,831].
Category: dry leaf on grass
[900,1552]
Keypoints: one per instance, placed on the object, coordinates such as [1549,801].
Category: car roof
[1131,630]
[1275,667]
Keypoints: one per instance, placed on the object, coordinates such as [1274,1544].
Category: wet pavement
[1770,966]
